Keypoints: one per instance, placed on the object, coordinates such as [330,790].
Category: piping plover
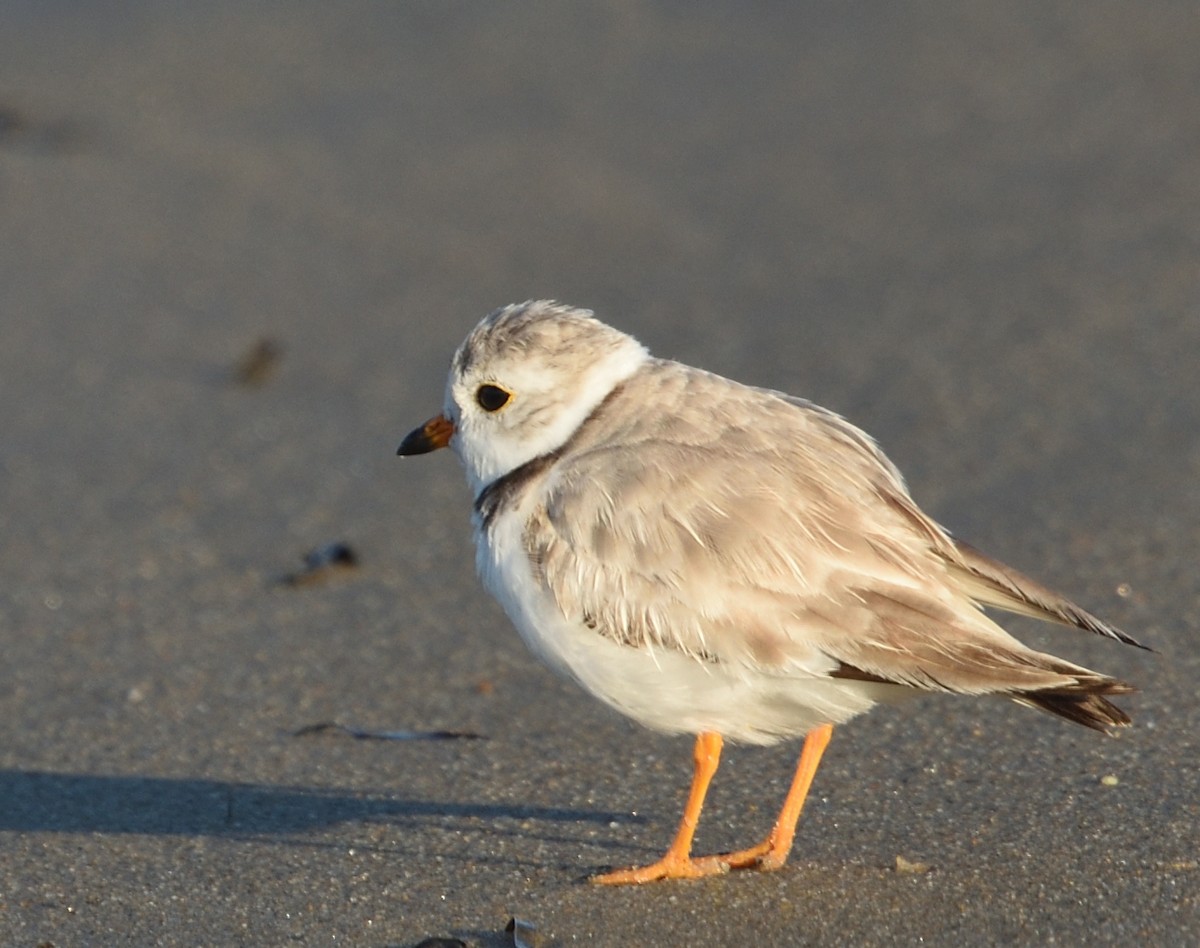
[721,560]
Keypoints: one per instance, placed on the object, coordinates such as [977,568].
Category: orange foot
[756,857]
[669,867]
[763,858]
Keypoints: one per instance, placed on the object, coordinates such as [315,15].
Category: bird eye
[491,397]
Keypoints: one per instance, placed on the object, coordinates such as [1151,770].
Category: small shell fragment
[322,563]
[258,363]
[523,933]
[904,866]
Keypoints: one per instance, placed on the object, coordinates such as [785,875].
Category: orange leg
[773,851]
[678,862]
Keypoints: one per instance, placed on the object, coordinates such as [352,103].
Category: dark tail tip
[1090,710]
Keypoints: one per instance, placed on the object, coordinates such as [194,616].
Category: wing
[994,584]
[763,533]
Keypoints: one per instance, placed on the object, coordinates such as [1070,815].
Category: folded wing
[774,537]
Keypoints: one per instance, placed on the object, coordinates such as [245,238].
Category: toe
[663,869]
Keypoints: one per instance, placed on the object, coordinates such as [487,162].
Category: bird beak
[435,433]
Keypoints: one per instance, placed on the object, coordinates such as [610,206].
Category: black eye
[491,397]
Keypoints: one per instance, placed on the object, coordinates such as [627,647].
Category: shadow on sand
[40,801]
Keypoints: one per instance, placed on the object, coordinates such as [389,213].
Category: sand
[971,228]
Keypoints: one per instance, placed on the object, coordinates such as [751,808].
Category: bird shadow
[51,802]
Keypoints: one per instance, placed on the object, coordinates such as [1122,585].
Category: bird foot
[669,867]
[764,857]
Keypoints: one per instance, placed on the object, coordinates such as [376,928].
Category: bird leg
[678,862]
[768,855]
[773,851]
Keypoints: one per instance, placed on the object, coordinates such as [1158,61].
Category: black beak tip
[414,443]
[435,433]
[419,441]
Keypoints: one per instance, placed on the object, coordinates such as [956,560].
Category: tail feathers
[1080,699]
[1087,707]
